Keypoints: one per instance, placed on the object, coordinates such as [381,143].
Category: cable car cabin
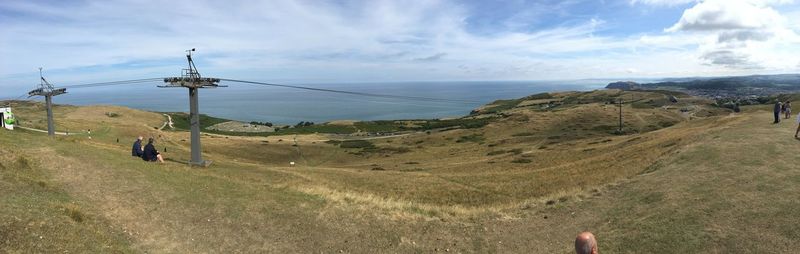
[7,117]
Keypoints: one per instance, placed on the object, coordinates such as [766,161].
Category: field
[680,177]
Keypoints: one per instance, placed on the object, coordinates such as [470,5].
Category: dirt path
[167,123]
[44,131]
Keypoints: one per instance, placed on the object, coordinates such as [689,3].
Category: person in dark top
[777,111]
[150,152]
[137,149]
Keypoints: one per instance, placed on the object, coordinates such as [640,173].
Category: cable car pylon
[191,79]
[48,91]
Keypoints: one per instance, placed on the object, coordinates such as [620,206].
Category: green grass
[317,128]
[181,121]
[380,126]
[501,105]
[466,123]
[37,215]
[538,96]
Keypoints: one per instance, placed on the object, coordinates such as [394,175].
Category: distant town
[727,91]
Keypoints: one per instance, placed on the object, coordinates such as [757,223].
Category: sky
[390,41]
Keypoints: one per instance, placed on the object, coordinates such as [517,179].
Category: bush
[268,124]
[303,124]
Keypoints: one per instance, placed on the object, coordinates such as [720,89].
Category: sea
[280,105]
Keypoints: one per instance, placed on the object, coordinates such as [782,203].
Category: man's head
[585,243]
[150,140]
[140,138]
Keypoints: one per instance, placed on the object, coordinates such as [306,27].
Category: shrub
[268,124]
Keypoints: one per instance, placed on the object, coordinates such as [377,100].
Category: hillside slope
[701,185]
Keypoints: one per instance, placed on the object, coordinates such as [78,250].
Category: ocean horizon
[278,105]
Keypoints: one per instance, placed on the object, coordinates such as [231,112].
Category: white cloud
[713,15]
[738,34]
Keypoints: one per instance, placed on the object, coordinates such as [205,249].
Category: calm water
[288,106]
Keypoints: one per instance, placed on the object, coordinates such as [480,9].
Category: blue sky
[377,41]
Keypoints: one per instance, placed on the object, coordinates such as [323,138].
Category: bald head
[140,138]
[585,243]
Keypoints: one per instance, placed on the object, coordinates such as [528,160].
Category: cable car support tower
[191,79]
[48,91]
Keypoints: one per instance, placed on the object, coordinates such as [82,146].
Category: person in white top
[798,126]
[788,111]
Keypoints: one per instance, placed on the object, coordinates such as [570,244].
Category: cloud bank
[342,41]
[742,34]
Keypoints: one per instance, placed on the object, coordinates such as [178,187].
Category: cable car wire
[355,93]
[114,83]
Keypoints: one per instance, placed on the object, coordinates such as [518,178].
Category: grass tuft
[521,160]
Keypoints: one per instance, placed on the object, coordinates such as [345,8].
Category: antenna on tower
[190,78]
[48,91]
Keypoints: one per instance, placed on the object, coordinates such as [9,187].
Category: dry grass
[441,193]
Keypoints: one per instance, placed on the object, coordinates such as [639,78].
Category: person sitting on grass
[585,243]
[150,152]
[138,149]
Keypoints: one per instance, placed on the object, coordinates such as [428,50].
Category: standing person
[798,127]
[777,111]
[150,152]
[788,109]
[137,149]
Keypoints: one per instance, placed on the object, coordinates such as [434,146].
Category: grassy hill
[682,177]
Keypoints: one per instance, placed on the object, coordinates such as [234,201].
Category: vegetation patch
[516,151]
[356,144]
[380,126]
[497,106]
[476,138]
[74,213]
[465,123]
[181,121]
[521,160]
[538,96]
